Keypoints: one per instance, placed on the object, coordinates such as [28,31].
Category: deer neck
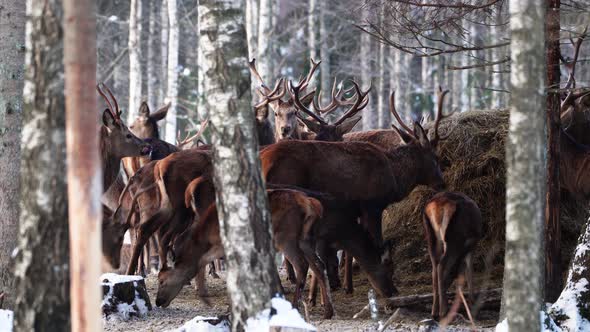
[110,162]
[406,168]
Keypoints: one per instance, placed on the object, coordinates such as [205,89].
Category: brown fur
[450,246]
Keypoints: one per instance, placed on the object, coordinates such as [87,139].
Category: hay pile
[472,159]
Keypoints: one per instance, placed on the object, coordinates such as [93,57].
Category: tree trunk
[252,35]
[325,71]
[572,308]
[12,47]
[383,115]
[172,85]
[84,163]
[400,83]
[241,198]
[42,262]
[369,119]
[526,169]
[312,29]
[478,75]
[553,281]
[265,53]
[134,46]
[164,34]
[153,63]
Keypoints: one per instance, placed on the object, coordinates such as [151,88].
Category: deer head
[285,112]
[116,139]
[323,130]
[146,123]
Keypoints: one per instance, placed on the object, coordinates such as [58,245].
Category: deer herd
[327,190]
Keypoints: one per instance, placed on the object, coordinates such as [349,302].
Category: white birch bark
[241,198]
[134,46]
[526,169]
[400,83]
[369,118]
[164,35]
[312,29]
[325,71]
[265,59]
[12,40]
[252,35]
[42,265]
[153,62]
[172,82]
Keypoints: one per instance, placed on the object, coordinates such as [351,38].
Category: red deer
[294,217]
[358,171]
[116,141]
[285,112]
[452,227]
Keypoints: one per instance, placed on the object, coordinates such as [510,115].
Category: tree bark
[12,47]
[383,115]
[526,168]
[84,163]
[241,197]
[265,63]
[134,46]
[42,262]
[172,85]
[153,63]
[325,71]
[312,29]
[369,119]
[553,281]
[164,34]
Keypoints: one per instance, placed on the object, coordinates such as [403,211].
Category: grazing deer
[452,227]
[116,140]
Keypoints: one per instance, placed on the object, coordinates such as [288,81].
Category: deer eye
[128,136]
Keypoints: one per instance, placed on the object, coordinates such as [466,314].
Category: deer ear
[161,113]
[405,137]
[108,120]
[421,135]
[312,125]
[347,125]
[144,109]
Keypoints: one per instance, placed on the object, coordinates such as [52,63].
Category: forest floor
[186,306]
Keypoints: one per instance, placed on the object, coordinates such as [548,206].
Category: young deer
[452,227]
[294,218]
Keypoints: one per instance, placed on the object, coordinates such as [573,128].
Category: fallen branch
[491,299]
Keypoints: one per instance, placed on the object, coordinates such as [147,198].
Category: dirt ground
[186,306]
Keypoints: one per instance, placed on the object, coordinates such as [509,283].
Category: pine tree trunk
[241,198]
[84,163]
[153,61]
[12,46]
[526,168]
[172,85]
[42,271]
[369,119]
[134,46]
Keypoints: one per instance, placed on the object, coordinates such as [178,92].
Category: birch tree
[155,95]
[42,259]
[172,82]
[312,29]
[525,161]
[369,119]
[265,53]
[134,46]
[325,71]
[241,198]
[12,36]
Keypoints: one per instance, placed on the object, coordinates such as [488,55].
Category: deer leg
[329,256]
[144,232]
[435,293]
[154,258]
[290,273]
[446,267]
[212,270]
[469,276]
[319,271]
[200,283]
[348,273]
[142,261]
[297,258]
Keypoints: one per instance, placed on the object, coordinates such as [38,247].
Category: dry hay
[472,159]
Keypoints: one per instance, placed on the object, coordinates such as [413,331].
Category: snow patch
[205,324]
[282,315]
[113,278]
[6,320]
[547,324]
[567,305]
[115,308]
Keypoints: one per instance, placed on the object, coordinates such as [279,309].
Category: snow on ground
[6,318]
[283,315]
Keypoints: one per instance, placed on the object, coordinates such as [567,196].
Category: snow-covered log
[280,318]
[206,324]
[124,296]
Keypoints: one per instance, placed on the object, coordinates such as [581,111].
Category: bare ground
[186,306]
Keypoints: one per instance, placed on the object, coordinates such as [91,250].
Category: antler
[336,101]
[360,103]
[271,96]
[571,96]
[294,90]
[303,83]
[397,117]
[439,116]
[187,140]
[115,112]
